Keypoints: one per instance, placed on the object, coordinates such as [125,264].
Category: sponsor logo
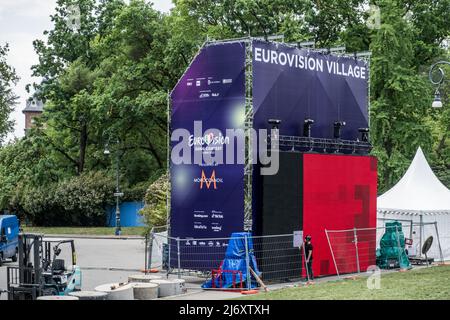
[209,147]
[212,180]
[210,82]
[208,139]
[225,81]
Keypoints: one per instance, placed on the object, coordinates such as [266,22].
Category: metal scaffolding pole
[248,169]
[168,164]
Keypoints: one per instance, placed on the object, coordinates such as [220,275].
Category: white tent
[419,197]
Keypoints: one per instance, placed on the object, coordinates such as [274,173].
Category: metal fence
[355,250]
[275,257]
[417,233]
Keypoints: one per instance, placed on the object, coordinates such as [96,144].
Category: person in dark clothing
[308,250]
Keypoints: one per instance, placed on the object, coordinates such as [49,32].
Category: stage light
[275,123]
[364,134]
[437,103]
[337,129]
[307,124]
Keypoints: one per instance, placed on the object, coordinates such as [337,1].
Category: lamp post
[437,103]
[117,194]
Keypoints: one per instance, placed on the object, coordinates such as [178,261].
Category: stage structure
[318,99]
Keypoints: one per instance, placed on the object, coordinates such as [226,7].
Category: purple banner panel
[207,199]
[293,84]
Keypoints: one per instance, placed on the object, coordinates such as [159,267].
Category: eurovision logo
[208,139]
[208,182]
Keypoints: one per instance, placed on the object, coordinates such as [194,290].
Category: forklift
[41,272]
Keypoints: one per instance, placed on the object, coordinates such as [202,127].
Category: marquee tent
[420,198]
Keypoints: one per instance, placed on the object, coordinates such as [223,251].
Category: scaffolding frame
[248,122]
[248,127]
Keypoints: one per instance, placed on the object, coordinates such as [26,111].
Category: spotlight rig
[337,129]
[307,124]
[363,134]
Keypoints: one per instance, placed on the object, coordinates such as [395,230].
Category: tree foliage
[155,210]
[8,78]
[105,85]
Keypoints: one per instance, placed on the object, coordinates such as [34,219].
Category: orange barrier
[250,291]
[149,270]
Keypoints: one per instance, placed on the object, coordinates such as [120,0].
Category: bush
[84,198]
[79,201]
[155,210]
[36,204]
[134,193]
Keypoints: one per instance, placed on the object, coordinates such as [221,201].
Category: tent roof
[419,191]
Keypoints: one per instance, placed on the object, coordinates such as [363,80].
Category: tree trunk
[83,145]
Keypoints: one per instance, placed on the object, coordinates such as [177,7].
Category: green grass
[98,231]
[423,284]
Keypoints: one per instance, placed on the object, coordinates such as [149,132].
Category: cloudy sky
[21,22]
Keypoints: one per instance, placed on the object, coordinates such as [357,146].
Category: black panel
[281,214]
[282,197]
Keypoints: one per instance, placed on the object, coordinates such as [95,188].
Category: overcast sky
[21,22]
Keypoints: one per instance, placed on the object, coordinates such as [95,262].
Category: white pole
[332,254]
[356,249]
[439,242]
[420,235]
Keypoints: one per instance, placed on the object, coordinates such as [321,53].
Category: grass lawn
[426,283]
[98,231]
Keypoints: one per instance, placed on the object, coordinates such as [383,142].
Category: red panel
[340,192]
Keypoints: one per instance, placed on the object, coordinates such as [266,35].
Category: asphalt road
[102,261]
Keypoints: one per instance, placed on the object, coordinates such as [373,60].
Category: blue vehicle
[9,232]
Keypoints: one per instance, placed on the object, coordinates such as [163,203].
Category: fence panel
[355,250]
[275,257]
[367,246]
[278,259]
[343,249]
[420,233]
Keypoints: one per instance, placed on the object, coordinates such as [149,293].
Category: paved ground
[113,260]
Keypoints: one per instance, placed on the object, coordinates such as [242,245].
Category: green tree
[8,78]
[105,82]
[401,117]
[155,210]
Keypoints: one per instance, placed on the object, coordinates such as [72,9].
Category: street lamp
[437,103]
[117,194]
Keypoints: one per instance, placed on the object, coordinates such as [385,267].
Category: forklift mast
[30,261]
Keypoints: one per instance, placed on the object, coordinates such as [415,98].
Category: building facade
[33,109]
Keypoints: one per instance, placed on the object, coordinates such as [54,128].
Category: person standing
[308,250]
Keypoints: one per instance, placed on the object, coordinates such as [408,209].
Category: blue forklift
[9,231]
[41,272]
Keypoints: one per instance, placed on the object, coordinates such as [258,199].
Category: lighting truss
[297,143]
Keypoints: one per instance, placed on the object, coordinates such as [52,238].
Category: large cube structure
[231,90]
